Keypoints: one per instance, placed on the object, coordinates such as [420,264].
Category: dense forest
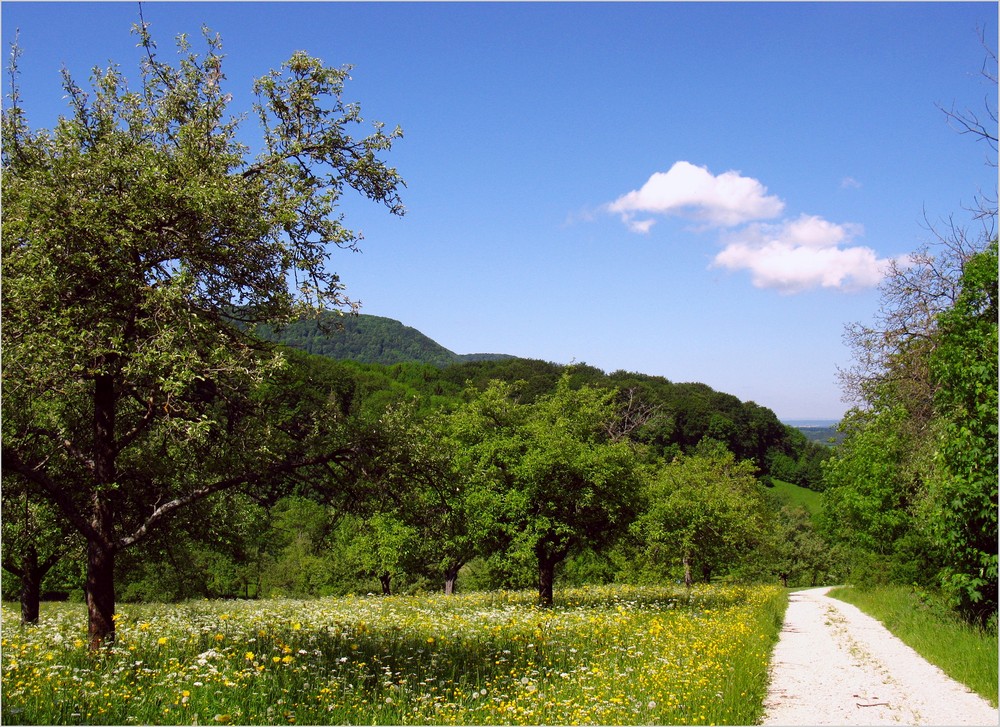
[156,448]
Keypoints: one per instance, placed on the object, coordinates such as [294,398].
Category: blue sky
[702,191]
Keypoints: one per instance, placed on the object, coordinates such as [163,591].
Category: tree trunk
[100,549]
[32,573]
[546,577]
[385,578]
[450,578]
[100,594]
[31,586]
[687,570]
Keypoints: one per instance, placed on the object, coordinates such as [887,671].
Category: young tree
[35,538]
[798,554]
[140,239]
[962,503]
[383,546]
[704,510]
[438,501]
[549,479]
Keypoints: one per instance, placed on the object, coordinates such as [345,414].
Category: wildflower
[223,718]
[162,640]
[248,656]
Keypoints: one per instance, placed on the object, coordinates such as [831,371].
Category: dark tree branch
[163,511]
[12,462]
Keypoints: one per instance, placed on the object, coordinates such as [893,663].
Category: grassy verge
[609,655]
[966,654]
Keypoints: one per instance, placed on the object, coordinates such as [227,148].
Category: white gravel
[834,665]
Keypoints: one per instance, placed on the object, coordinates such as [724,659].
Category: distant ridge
[821,431]
[368,339]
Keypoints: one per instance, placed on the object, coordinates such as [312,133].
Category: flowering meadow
[602,655]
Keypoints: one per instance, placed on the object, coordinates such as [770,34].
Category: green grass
[794,495]
[604,655]
[966,654]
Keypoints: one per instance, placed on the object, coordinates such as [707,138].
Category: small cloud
[640,226]
[690,191]
[850,183]
[802,254]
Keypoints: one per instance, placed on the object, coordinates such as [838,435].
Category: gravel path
[834,665]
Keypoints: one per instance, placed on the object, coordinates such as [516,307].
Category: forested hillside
[368,339]
[682,414]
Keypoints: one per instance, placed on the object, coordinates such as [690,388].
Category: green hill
[368,339]
[789,494]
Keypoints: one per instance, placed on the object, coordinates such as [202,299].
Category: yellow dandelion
[162,640]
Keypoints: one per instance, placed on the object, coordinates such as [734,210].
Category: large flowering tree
[141,240]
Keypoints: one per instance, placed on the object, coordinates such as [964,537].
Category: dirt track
[834,665]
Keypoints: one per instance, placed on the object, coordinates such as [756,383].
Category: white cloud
[789,256]
[690,191]
[801,254]
[640,226]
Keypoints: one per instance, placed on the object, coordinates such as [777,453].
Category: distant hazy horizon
[810,422]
